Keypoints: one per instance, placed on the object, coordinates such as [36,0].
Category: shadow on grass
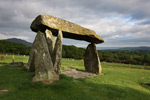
[145,85]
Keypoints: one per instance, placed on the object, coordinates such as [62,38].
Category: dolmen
[46,52]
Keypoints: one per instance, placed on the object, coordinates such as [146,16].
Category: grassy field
[18,58]
[119,82]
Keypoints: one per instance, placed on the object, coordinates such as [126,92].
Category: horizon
[119,23]
[98,48]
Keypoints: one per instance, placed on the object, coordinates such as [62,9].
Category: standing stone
[41,60]
[58,52]
[31,61]
[51,40]
[55,49]
[91,60]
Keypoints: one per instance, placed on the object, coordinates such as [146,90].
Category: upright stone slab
[55,49]
[58,52]
[91,60]
[41,60]
[51,40]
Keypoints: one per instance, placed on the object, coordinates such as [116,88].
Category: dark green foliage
[72,52]
[141,49]
[118,56]
[146,58]
[126,57]
[13,48]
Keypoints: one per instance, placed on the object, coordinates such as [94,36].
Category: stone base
[48,78]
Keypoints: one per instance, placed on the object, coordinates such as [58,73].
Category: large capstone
[69,29]
[91,60]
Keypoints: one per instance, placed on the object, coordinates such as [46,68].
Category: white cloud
[119,22]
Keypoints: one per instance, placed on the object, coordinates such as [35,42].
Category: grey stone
[69,29]
[91,60]
[51,42]
[31,62]
[72,72]
[41,61]
[58,52]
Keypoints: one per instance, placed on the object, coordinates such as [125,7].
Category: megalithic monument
[46,51]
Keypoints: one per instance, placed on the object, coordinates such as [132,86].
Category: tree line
[74,52]
[13,48]
[127,57]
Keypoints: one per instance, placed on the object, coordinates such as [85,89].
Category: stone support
[45,56]
[91,60]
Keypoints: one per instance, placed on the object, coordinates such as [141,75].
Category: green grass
[18,58]
[119,82]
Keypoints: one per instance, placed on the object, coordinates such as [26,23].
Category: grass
[18,58]
[119,82]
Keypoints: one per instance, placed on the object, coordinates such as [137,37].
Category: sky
[121,23]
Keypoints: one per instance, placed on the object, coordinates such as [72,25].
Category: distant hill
[142,49]
[136,49]
[16,40]
[108,48]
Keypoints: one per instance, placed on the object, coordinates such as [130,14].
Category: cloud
[133,8]
[143,22]
[120,23]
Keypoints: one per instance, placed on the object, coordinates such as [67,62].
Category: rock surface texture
[91,60]
[41,56]
[69,29]
[46,52]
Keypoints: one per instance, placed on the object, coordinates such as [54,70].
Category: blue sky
[121,23]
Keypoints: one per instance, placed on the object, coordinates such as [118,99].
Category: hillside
[16,40]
